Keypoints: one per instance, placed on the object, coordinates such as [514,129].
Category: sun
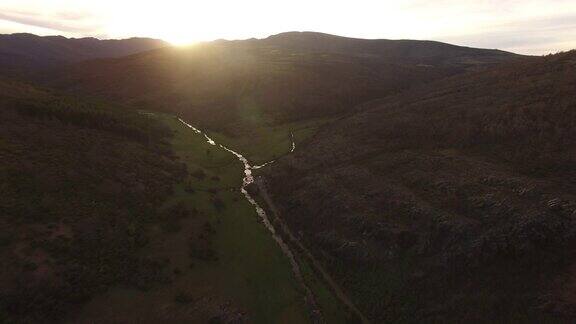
[179,40]
[170,23]
[177,36]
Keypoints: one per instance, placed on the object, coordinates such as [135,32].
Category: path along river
[249,179]
[246,181]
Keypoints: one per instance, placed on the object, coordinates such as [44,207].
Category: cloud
[73,15]
[528,36]
[69,22]
[524,26]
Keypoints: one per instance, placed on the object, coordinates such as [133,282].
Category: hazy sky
[523,26]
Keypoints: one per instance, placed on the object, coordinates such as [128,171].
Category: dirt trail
[315,263]
[249,179]
[316,314]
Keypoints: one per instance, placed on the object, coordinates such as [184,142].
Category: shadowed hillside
[101,222]
[232,86]
[81,184]
[27,54]
[453,202]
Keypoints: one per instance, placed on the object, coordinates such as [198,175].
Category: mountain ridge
[214,83]
[25,54]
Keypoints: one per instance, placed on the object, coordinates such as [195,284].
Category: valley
[249,257]
[298,178]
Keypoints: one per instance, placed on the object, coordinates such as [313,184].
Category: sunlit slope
[232,86]
[454,202]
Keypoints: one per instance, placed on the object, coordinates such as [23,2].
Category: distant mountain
[429,53]
[224,84]
[454,202]
[434,183]
[26,53]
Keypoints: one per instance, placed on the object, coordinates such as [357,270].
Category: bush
[183,298]
[218,204]
[199,174]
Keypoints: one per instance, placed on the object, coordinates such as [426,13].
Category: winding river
[249,179]
[246,181]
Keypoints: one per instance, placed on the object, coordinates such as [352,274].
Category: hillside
[452,202]
[26,54]
[81,185]
[110,215]
[424,53]
[235,86]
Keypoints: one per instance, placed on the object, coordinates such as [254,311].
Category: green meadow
[248,271]
[250,268]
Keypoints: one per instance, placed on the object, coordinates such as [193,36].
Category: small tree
[218,204]
[199,174]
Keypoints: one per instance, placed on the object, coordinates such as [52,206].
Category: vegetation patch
[81,185]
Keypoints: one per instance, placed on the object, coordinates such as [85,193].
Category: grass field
[251,268]
[266,142]
[270,289]
[250,275]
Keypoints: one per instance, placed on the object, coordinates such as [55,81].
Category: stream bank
[248,179]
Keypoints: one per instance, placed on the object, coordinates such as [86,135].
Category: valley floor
[243,276]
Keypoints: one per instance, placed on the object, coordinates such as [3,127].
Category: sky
[522,26]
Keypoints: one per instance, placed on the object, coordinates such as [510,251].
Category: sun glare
[179,40]
[472,22]
[173,23]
